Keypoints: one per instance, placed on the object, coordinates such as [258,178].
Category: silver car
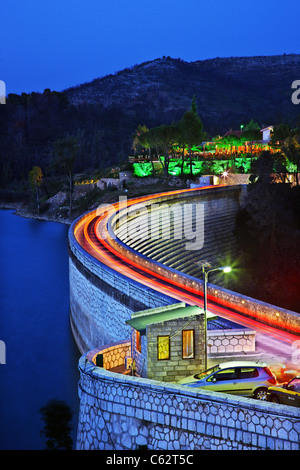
[246,378]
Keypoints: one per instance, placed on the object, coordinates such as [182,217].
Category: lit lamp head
[225,269]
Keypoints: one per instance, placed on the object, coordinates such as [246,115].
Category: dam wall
[123,412]
[120,412]
[101,299]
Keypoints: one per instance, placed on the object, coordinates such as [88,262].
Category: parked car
[287,393]
[246,378]
[284,371]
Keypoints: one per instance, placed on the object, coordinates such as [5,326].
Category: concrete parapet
[113,354]
[120,412]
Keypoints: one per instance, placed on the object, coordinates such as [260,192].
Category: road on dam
[91,232]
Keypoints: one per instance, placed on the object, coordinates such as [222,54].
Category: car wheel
[261,394]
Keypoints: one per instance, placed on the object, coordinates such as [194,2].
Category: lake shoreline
[21,210]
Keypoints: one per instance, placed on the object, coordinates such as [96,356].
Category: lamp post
[225,269]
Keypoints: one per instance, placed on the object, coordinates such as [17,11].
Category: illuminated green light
[142,169]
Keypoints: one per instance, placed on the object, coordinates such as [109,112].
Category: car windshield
[207,372]
[294,385]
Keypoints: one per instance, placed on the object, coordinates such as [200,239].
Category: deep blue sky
[60,43]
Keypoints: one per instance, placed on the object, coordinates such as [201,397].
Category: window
[249,373]
[138,341]
[226,374]
[163,347]
[188,351]
[294,385]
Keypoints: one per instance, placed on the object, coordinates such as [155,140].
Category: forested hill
[104,113]
[228,90]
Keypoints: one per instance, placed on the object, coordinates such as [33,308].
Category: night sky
[61,43]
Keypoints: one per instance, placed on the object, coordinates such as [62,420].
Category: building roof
[140,320]
[236,133]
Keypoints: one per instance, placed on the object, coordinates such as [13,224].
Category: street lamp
[225,269]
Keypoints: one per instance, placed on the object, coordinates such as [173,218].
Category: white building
[266,133]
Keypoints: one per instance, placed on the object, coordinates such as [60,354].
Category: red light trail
[91,232]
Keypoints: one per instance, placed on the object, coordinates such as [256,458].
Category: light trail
[92,234]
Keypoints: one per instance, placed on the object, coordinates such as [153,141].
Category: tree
[141,138]
[279,134]
[162,138]
[263,168]
[291,149]
[191,130]
[268,240]
[35,178]
[66,151]
[57,416]
[251,126]
[165,137]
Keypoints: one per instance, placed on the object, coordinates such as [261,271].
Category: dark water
[41,356]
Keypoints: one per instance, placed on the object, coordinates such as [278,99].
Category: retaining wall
[120,412]
[101,300]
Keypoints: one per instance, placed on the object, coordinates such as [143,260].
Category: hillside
[105,113]
[228,90]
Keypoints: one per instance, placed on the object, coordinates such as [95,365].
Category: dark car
[287,393]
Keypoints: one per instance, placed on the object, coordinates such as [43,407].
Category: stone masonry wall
[176,367]
[230,341]
[113,354]
[101,301]
[120,412]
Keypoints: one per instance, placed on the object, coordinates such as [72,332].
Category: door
[292,395]
[249,380]
[224,380]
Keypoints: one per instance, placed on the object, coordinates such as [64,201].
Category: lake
[41,355]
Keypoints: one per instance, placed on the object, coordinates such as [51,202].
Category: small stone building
[168,343]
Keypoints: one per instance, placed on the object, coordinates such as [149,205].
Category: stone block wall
[101,300]
[113,354]
[174,368]
[221,344]
[230,341]
[120,412]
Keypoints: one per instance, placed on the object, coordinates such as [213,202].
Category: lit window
[138,341]
[188,351]
[163,347]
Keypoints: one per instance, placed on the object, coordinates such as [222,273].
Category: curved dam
[147,252]
[144,253]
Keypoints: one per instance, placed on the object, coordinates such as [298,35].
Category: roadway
[273,344]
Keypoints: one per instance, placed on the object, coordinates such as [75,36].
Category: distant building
[266,133]
[234,133]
